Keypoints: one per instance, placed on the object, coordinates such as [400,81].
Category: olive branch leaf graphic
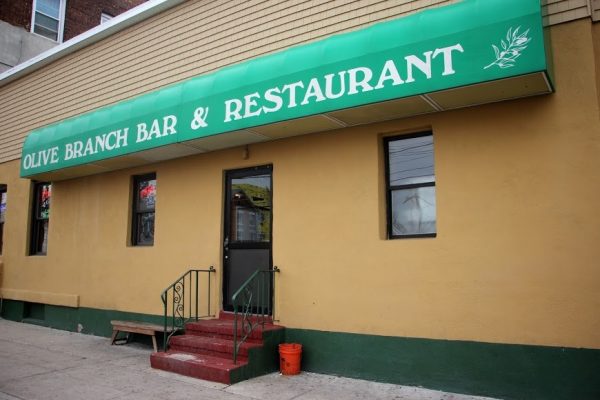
[511,48]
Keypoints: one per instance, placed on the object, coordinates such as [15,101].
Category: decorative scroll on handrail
[181,301]
[253,306]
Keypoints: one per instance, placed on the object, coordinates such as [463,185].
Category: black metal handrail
[252,304]
[184,295]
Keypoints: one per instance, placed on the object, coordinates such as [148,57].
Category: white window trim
[61,20]
[105,17]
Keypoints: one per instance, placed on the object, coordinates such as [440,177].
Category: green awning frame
[471,52]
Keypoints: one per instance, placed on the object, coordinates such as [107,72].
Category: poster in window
[45,193]
[2,206]
[147,195]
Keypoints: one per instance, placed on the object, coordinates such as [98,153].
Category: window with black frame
[144,205]
[2,214]
[40,218]
[410,186]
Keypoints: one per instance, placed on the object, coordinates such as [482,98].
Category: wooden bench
[143,328]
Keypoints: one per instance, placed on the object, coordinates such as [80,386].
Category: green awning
[471,52]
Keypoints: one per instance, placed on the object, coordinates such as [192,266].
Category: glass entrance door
[248,222]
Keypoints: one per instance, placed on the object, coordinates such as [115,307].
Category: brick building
[30,27]
[82,15]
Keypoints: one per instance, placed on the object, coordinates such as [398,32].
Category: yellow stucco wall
[516,259]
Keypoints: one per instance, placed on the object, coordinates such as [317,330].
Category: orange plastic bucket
[290,355]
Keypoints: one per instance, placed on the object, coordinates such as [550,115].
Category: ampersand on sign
[200,115]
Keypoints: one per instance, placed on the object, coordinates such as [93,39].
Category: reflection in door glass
[251,209]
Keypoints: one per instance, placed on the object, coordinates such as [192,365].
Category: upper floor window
[48,18]
[410,186]
[2,213]
[144,204]
[104,17]
[40,218]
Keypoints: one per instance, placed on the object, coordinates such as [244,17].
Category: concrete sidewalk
[45,364]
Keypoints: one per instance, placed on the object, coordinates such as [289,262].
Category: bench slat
[139,325]
[143,328]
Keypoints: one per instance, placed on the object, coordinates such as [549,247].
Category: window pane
[146,197]
[46,33]
[145,228]
[46,26]
[144,202]
[40,214]
[2,206]
[104,17]
[251,209]
[413,211]
[45,22]
[41,239]
[2,214]
[49,7]
[44,194]
[411,161]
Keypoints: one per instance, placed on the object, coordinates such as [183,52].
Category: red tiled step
[200,366]
[210,346]
[231,315]
[223,328]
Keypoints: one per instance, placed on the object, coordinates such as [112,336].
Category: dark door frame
[227,245]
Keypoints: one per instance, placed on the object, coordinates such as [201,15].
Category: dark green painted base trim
[93,321]
[262,360]
[13,310]
[498,370]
